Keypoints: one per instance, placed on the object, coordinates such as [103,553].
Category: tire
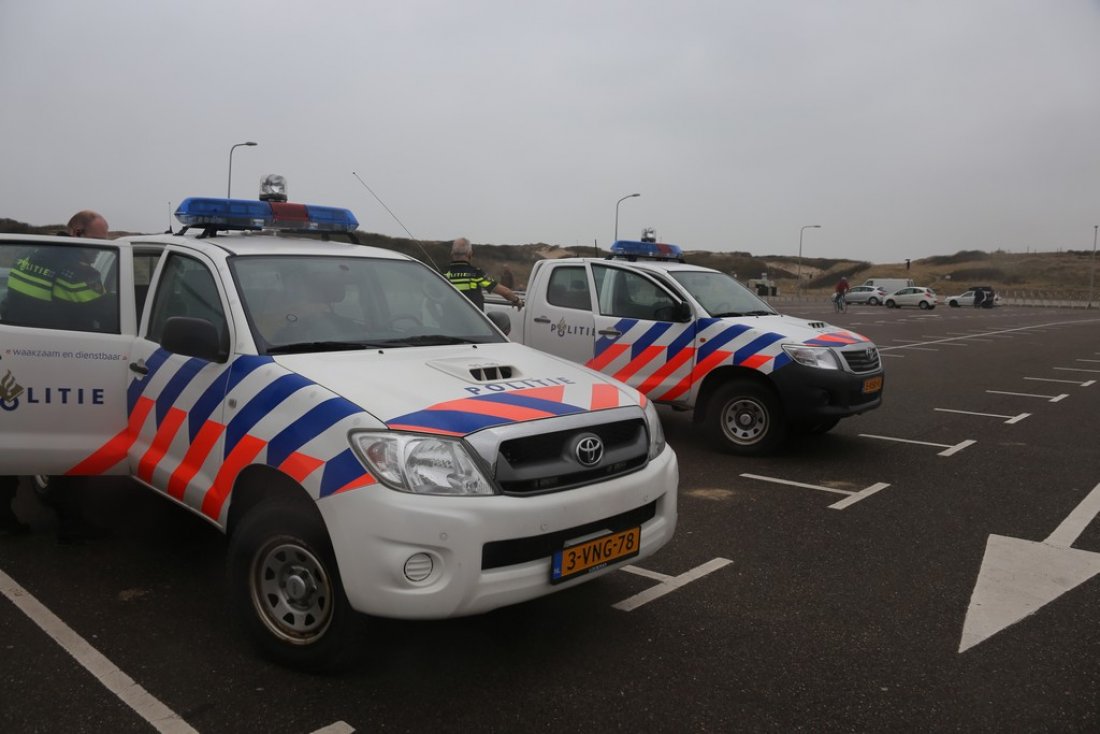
[953,304]
[872,301]
[285,589]
[43,487]
[744,418]
[891,304]
[924,305]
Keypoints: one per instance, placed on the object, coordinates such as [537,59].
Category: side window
[625,294]
[145,263]
[186,288]
[568,288]
[59,287]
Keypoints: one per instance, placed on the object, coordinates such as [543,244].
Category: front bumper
[376,530]
[810,394]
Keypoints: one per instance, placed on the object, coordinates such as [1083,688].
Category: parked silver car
[872,295]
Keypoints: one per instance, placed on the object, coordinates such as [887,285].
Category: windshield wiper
[727,314]
[321,346]
[426,340]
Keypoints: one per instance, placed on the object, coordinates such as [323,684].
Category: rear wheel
[285,588]
[744,418]
[924,305]
[872,301]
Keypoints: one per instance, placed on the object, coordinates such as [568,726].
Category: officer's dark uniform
[470,280]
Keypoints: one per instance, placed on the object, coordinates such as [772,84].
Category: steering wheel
[405,317]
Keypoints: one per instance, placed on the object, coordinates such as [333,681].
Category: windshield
[300,303]
[720,294]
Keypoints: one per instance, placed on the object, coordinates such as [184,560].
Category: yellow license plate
[872,384]
[592,555]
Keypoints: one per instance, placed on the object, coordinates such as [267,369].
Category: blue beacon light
[634,249]
[246,214]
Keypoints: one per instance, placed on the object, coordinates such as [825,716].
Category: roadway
[927,566]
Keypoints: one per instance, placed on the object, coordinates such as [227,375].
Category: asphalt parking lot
[928,566]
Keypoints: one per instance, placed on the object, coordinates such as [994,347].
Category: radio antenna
[410,234]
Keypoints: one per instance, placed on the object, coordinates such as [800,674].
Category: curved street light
[798,276]
[620,201]
[229,185]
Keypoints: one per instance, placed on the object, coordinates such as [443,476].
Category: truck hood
[815,333]
[457,390]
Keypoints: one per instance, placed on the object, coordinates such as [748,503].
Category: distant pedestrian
[979,297]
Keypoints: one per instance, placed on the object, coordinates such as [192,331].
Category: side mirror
[193,337]
[501,320]
[682,312]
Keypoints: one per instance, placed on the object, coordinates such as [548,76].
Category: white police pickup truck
[366,437]
[695,338]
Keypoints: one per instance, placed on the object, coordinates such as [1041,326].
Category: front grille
[501,553]
[546,462]
[862,360]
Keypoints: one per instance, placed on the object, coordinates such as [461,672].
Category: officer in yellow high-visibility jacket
[470,279]
[55,287]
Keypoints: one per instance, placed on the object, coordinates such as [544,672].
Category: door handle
[610,332]
[139,367]
[541,320]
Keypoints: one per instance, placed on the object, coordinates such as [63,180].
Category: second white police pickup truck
[369,441]
[695,338]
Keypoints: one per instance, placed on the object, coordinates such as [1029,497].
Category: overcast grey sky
[905,128]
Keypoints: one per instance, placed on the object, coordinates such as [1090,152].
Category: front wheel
[891,304]
[744,418]
[285,588]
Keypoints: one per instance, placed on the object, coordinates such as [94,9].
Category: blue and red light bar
[634,250]
[246,214]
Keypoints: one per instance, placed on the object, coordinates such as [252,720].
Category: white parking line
[1011,418]
[1087,360]
[1086,383]
[851,499]
[950,450]
[144,704]
[668,583]
[1075,369]
[1049,398]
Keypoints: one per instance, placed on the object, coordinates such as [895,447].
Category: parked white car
[872,295]
[922,298]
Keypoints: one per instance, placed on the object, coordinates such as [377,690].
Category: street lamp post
[1092,268]
[620,201]
[798,276]
[229,185]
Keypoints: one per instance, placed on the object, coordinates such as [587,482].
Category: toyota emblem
[589,450]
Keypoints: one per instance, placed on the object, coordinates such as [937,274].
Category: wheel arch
[716,378]
[259,483]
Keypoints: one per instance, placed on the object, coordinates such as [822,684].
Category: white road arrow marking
[1018,577]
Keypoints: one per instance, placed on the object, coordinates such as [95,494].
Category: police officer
[470,279]
[55,287]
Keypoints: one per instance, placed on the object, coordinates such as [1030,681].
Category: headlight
[421,464]
[656,433]
[820,357]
